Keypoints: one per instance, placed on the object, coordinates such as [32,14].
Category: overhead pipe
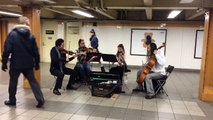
[102,5]
[57,11]
[155,8]
[96,9]
[104,13]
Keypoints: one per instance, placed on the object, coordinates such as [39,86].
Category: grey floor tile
[166,115]
[117,113]
[199,118]
[177,86]
[73,108]
[150,114]
[149,118]
[133,114]
[182,117]
[86,110]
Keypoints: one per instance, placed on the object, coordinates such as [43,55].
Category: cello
[148,67]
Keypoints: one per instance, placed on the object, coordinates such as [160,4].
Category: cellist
[146,44]
[157,71]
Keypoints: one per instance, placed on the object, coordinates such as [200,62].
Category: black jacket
[55,59]
[22,47]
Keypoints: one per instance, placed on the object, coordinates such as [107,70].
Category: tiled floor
[181,104]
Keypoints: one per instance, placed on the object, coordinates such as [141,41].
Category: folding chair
[161,82]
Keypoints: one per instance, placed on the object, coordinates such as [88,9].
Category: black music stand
[109,58]
[90,55]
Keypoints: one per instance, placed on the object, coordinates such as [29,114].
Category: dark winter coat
[22,47]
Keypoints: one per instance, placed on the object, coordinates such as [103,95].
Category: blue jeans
[83,71]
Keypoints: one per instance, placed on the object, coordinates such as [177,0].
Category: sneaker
[56,92]
[9,103]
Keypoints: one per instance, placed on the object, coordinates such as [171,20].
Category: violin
[87,49]
[148,67]
[64,51]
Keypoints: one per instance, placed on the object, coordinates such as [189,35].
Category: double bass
[148,67]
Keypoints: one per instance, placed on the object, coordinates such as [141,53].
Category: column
[33,13]
[3,34]
[206,72]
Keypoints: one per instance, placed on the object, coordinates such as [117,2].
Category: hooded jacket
[22,47]
[94,41]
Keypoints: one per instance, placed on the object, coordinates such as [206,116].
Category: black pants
[120,71]
[28,73]
[60,77]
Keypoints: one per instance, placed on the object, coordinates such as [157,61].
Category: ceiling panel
[135,10]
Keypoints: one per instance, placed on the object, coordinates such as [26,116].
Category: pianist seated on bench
[122,66]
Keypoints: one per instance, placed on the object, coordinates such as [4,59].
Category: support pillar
[3,34]
[206,72]
[33,13]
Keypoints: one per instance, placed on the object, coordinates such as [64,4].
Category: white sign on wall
[138,35]
[198,44]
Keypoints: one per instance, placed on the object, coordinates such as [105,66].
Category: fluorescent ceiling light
[10,13]
[186,1]
[82,13]
[174,13]
[47,1]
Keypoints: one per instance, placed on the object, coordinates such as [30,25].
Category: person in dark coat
[22,47]
[94,44]
[93,40]
[58,68]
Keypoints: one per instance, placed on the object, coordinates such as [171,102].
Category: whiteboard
[136,46]
[198,44]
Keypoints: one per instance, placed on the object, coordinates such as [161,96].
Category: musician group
[81,72]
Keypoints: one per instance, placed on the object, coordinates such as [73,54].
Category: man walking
[21,45]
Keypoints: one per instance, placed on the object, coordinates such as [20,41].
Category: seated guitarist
[157,71]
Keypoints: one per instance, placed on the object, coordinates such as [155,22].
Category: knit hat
[92,31]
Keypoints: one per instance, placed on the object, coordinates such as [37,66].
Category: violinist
[82,66]
[58,68]
[122,66]
[157,71]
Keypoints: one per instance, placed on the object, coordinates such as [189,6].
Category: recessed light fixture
[82,13]
[162,25]
[10,13]
[174,13]
[186,1]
